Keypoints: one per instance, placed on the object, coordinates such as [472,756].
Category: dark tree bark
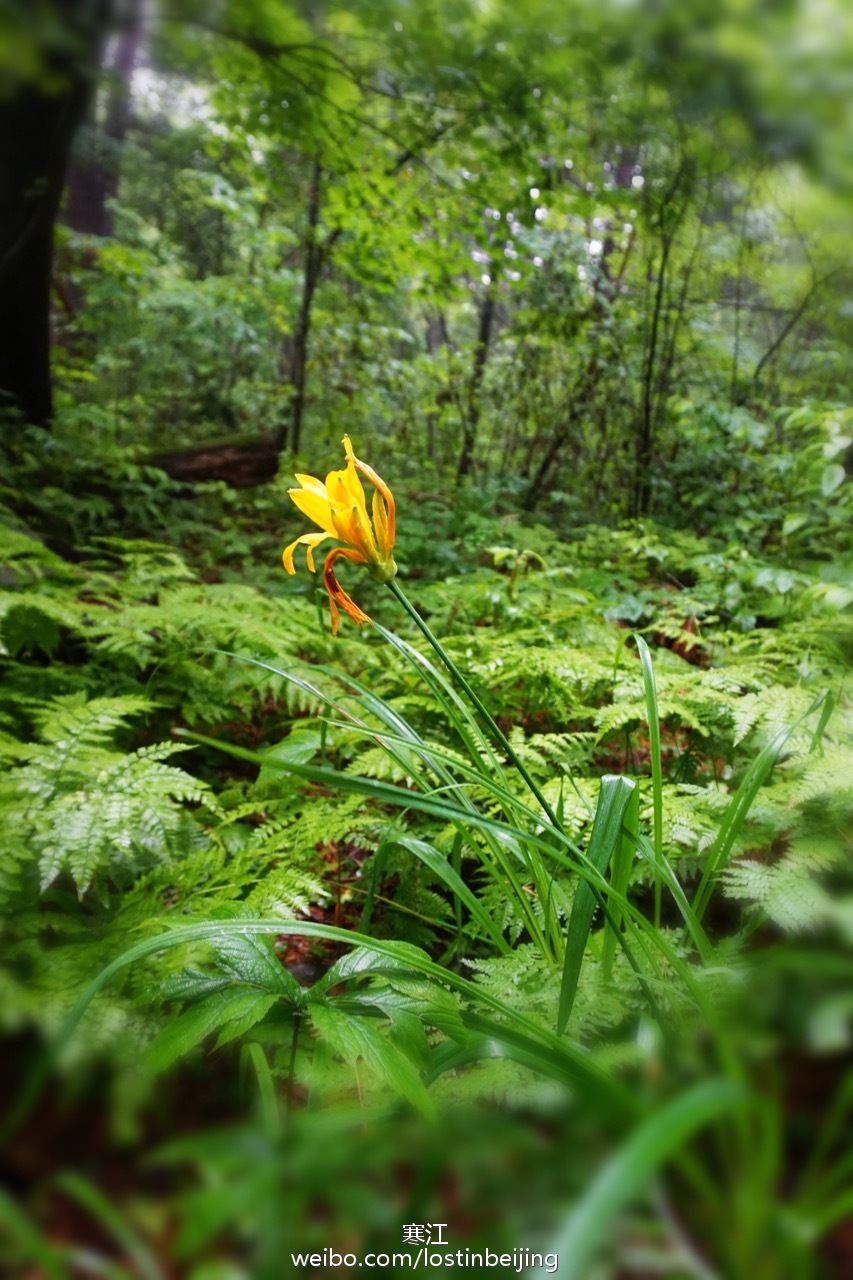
[437,337]
[644,441]
[481,355]
[668,221]
[317,255]
[787,328]
[37,124]
[93,174]
[545,471]
[290,433]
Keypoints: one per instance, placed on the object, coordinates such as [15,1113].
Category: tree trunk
[644,441]
[581,392]
[291,432]
[316,257]
[93,174]
[437,336]
[36,129]
[481,355]
[671,213]
[607,286]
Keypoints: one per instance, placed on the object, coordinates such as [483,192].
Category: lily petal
[309,541]
[339,509]
[312,484]
[316,507]
[380,523]
[344,488]
[337,595]
[352,526]
[379,484]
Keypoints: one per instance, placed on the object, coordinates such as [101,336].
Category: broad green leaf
[441,868]
[654,752]
[604,843]
[252,961]
[145,1265]
[356,1039]
[832,478]
[604,1093]
[627,1173]
[236,1010]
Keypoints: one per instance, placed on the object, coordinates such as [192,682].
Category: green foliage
[569,847]
[77,804]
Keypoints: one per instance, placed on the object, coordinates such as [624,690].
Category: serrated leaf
[356,1039]
[251,960]
[236,1006]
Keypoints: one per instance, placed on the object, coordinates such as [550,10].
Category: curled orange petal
[337,595]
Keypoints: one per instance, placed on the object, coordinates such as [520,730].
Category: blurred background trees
[585,251]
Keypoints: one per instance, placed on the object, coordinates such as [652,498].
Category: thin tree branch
[793,319]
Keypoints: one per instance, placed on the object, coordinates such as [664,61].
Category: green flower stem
[548,939]
[502,740]
[494,728]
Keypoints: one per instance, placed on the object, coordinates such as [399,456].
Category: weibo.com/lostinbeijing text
[518,1260]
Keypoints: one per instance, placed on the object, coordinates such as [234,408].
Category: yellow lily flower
[339,508]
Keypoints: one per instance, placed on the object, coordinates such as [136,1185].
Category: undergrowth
[353,797]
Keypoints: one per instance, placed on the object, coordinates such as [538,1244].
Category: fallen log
[240,463]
